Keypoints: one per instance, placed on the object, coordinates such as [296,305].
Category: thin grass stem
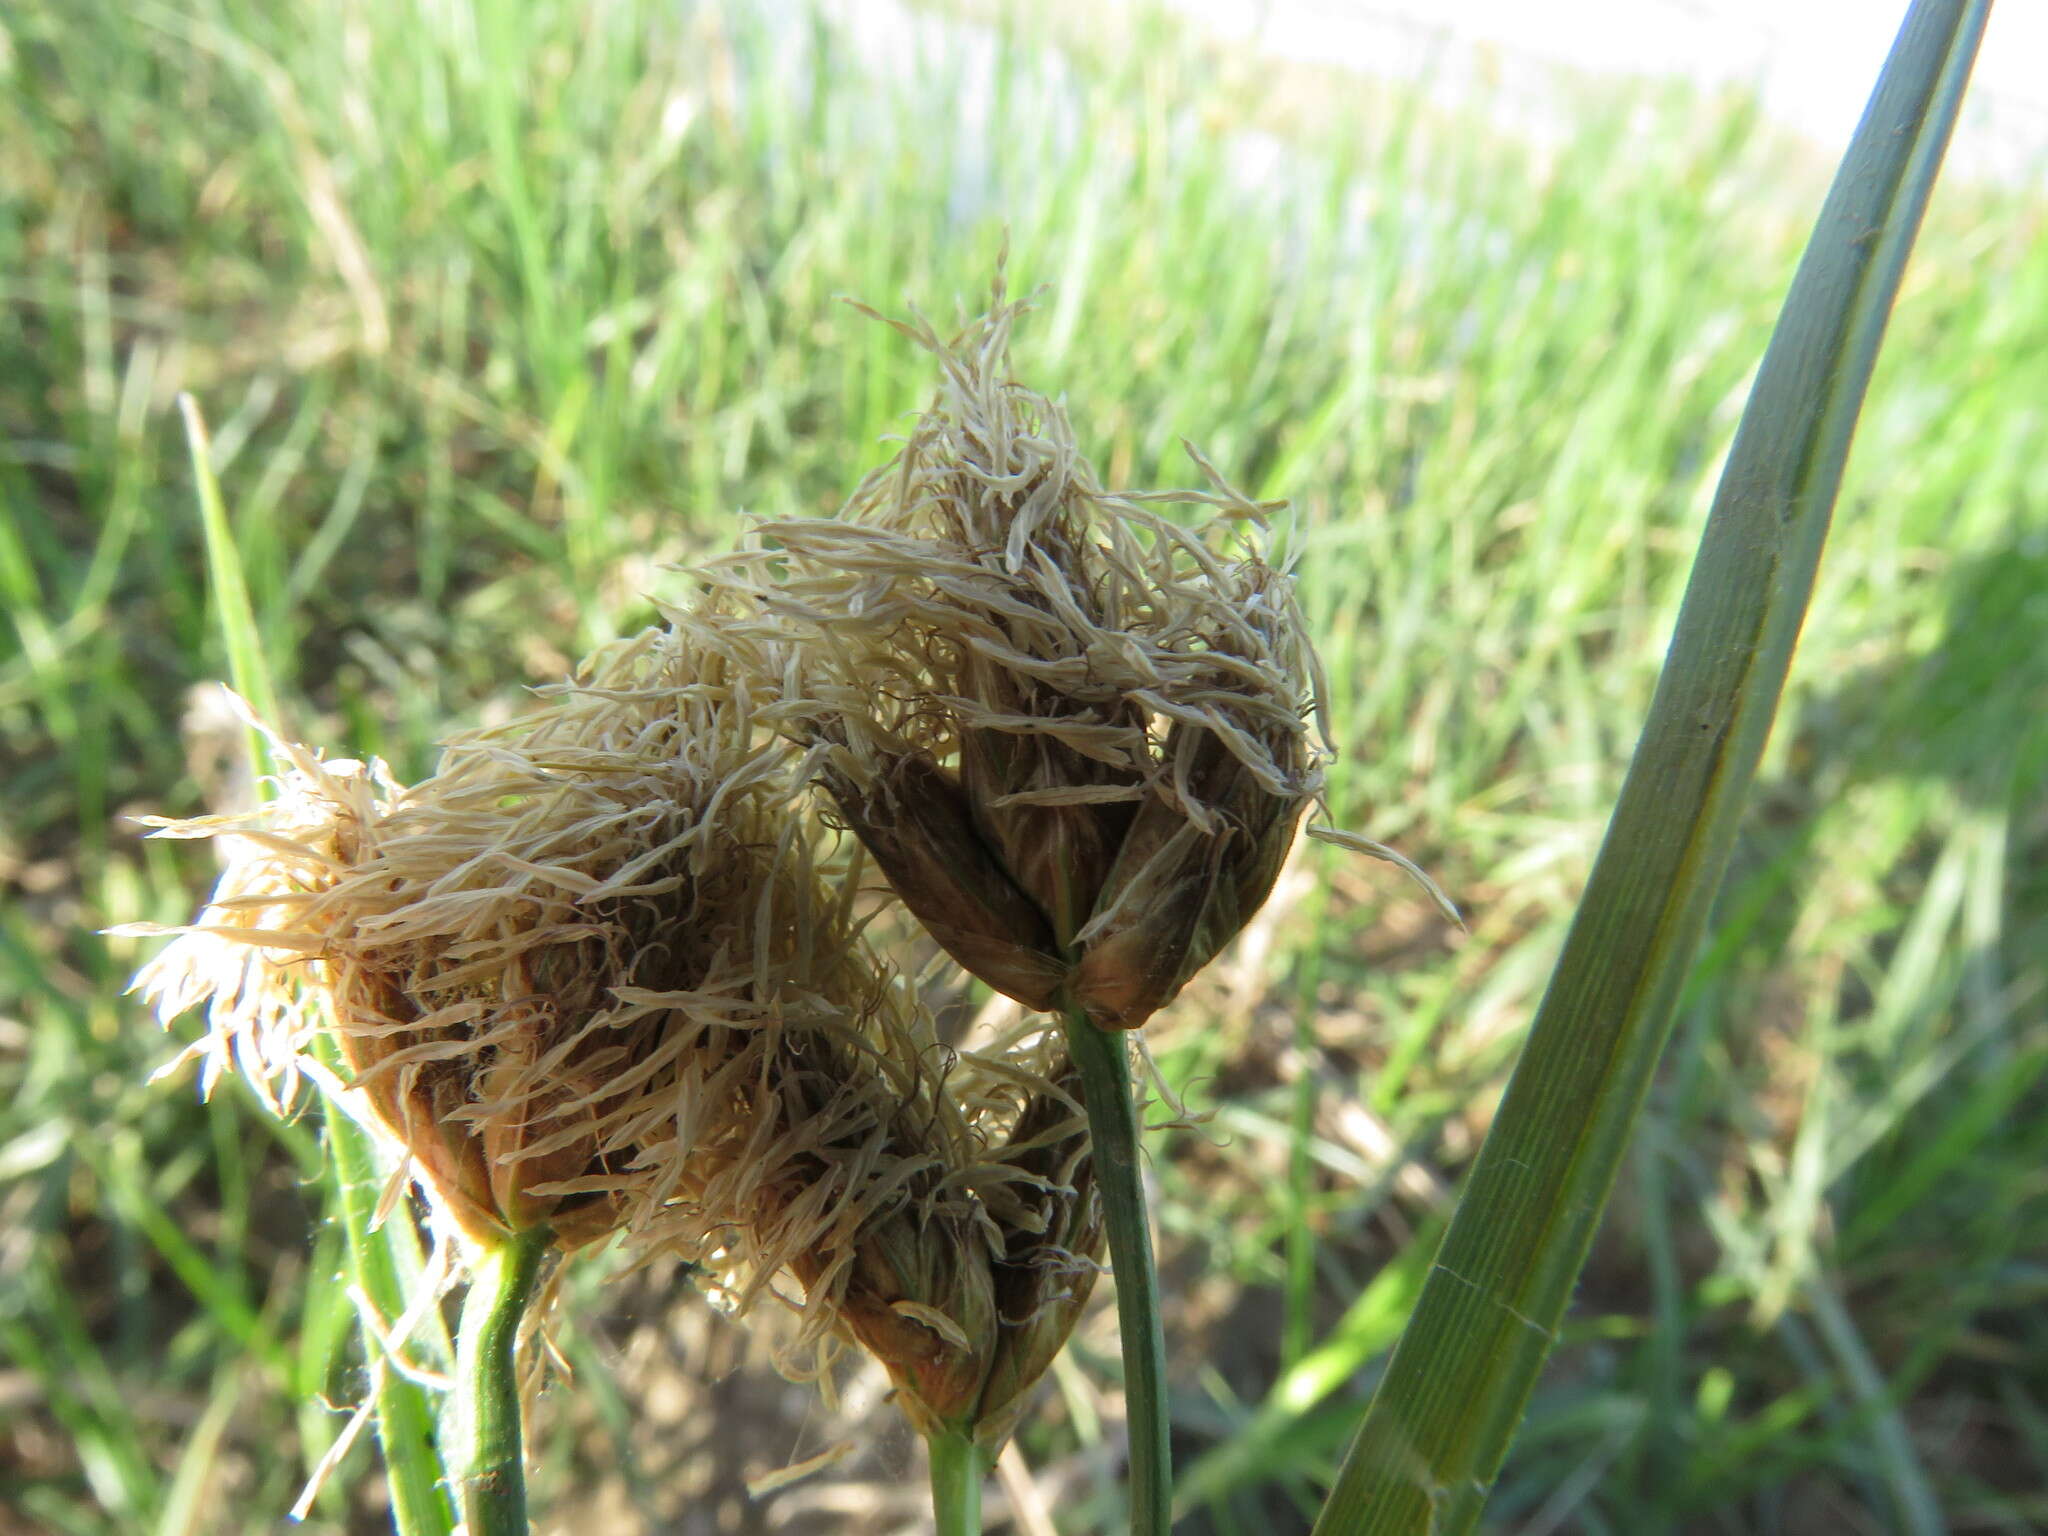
[958,1467]
[1103,1059]
[405,1422]
[489,1457]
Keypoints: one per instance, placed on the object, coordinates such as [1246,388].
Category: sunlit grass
[495,308]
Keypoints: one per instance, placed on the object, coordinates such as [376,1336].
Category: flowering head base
[1076,734]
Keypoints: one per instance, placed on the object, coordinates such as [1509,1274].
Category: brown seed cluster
[593,976]
[1075,733]
[603,971]
[465,942]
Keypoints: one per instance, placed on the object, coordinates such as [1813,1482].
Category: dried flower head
[949,1224]
[1077,735]
[592,975]
[465,942]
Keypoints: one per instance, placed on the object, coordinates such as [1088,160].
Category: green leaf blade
[1439,1428]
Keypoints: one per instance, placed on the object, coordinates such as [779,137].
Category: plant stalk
[488,1458]
[1103,1060]
[404,1421]
[958,1467]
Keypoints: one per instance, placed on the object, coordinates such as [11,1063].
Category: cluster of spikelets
[604,972]
[593,976]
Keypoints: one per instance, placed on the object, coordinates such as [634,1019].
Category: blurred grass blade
[1439,1427]
[193,1484]
[1256,1453]
[248,669]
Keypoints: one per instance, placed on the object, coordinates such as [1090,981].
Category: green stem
[958,1466]
[405,1423]
[1103,1060]
[489,1461]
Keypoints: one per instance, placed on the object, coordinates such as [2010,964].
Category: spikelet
[957,1239]
[465,941]
[1076,735]
[1052,1227]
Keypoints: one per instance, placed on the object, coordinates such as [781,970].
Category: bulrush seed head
[961,1272]
[466,942]
[592,976]
[1077,735]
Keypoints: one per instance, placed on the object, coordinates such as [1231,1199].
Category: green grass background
[496,309]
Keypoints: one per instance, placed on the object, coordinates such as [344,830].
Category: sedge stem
[489,1463]
[378,1262]
[1103,1059]
[958,1467]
